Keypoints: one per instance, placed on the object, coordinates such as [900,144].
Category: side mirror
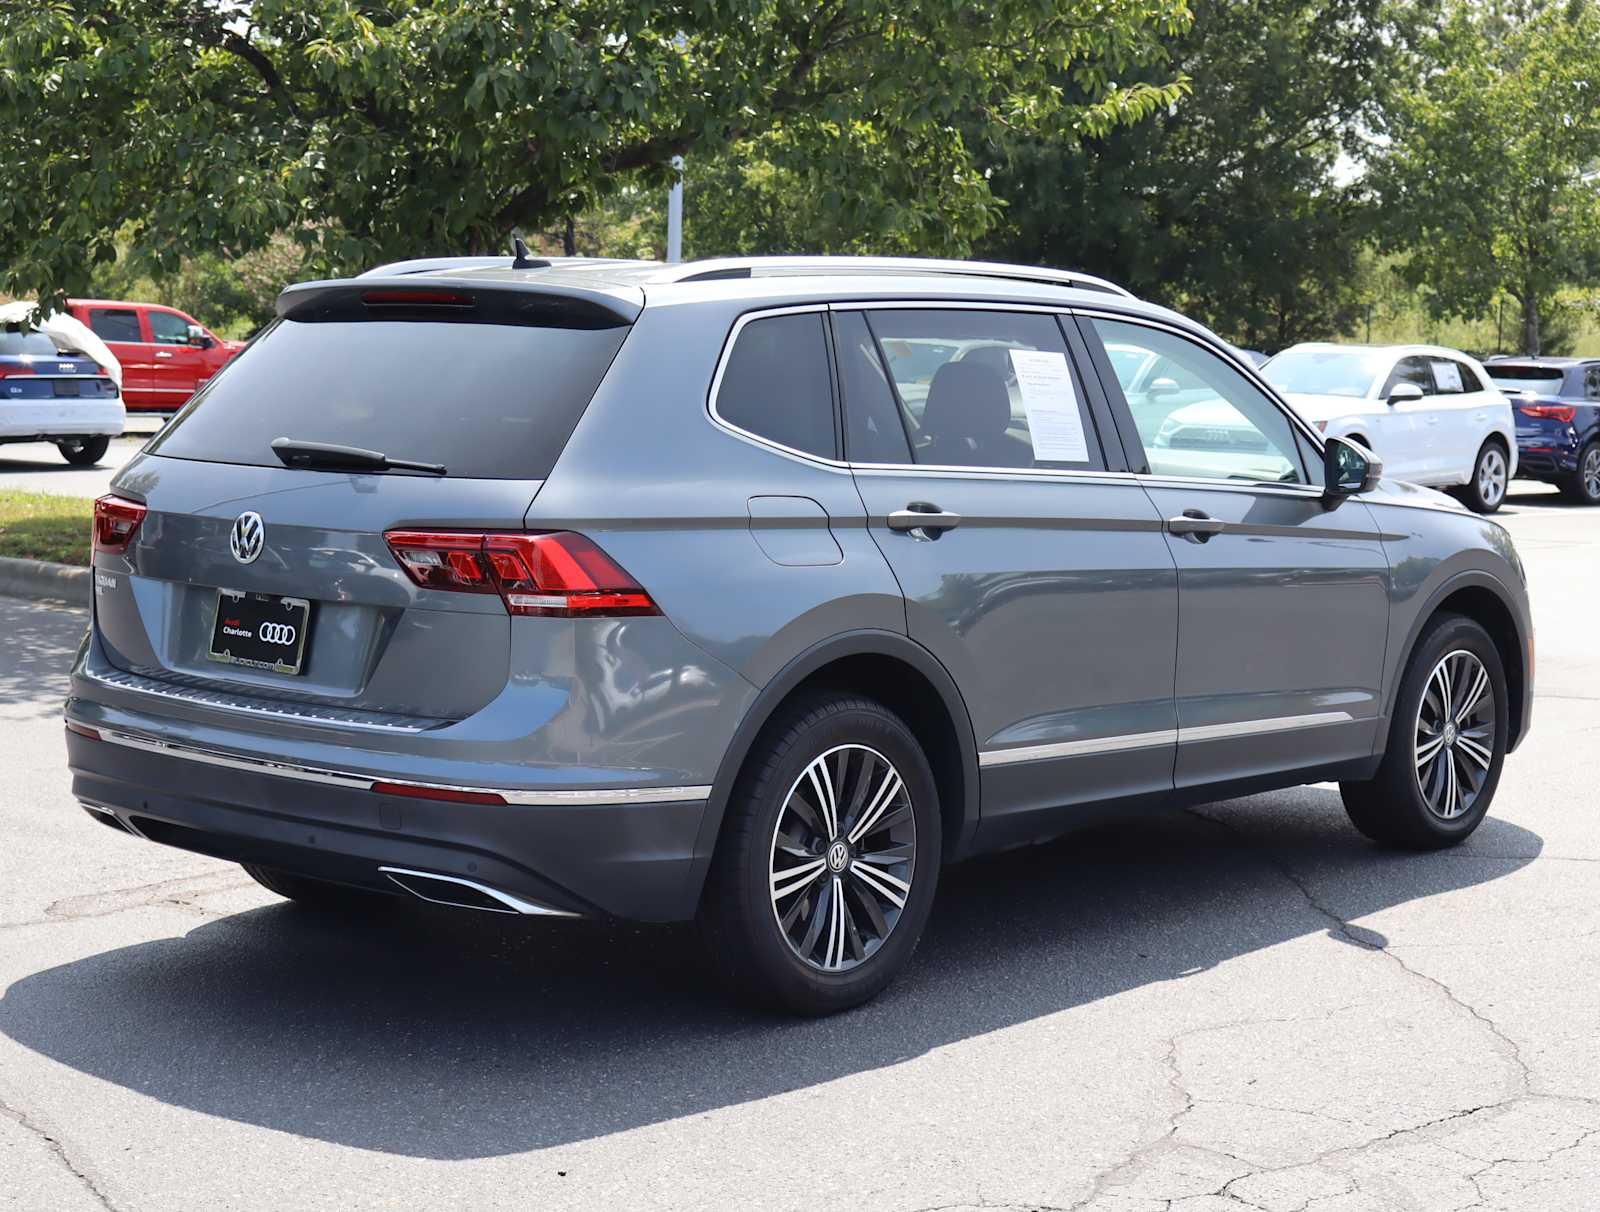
[1348,468]
[199,337]
[1162,387]
[1402,392]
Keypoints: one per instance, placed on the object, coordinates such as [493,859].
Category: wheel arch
[1480,597]
[899,673]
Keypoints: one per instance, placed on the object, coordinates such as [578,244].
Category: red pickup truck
[166,355]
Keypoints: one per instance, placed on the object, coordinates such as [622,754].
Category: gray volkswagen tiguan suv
[755,591]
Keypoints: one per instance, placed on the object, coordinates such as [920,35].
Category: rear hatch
[259,585]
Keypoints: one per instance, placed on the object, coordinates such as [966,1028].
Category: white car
[1432,415]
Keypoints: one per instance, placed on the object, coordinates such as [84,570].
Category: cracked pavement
[1246,1006]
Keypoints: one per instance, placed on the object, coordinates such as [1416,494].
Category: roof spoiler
[462,300]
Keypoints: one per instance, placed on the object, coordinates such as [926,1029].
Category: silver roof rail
[434,265]
[716,268]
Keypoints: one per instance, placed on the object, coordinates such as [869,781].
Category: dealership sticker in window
[1447,376]
[1055,425]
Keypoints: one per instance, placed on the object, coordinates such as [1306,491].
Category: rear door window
[115,324]
[489,401]
[777,383]
[983,389]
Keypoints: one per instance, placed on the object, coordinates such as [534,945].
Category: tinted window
[487,400]
[1410,370]
[13,342]
[1453,378]
[776,383]
[1469,377]
[1196,414]
[985,388]
[1513,376]
[168,329]
[115,323]
[873,429]
[1591,383]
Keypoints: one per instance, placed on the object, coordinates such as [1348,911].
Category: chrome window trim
[1089,475]
[1168,736]
[363,782]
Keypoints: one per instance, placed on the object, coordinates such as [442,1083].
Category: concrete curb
[44,581]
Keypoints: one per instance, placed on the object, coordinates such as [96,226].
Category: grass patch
[42,526]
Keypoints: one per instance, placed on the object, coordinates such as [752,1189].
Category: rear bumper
[1544,456]
[64,418]
[632,857]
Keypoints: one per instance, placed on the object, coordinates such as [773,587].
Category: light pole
[675,213]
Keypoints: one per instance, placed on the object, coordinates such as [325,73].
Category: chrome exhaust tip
[459,893]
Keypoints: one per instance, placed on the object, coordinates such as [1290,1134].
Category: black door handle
[1196,525]
[921,517]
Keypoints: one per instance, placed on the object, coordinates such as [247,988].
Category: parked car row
[754,591]
[73,380]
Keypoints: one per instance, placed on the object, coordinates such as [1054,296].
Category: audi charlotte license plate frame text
[260,631]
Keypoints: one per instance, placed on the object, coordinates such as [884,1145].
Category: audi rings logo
[248,537]
[276,633]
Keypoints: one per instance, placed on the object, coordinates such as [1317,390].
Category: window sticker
[1447,375]
[1055,426]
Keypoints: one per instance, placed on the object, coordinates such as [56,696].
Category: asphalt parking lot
[39,467]
[1248,1006]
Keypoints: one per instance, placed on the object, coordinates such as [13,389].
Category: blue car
[1556,403]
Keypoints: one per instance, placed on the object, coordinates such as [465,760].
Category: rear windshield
[14,342]
[1510,377]
[489,401]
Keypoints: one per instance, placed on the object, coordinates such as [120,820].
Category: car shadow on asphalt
[451,1035]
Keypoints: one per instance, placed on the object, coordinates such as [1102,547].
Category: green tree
[1233,203]
[1488,179]
[376,128]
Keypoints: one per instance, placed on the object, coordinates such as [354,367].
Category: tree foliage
[1488,179]
[374,128]
[1230,204]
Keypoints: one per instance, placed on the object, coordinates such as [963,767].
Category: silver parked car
[754,592]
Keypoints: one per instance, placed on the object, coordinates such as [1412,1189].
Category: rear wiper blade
[296,453]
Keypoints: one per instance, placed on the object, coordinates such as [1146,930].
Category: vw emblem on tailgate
[248,537]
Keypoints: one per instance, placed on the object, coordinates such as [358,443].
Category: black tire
[1486,491]
[755,954]
[321,895]
[84,452]
[1394,807]
[1584,486]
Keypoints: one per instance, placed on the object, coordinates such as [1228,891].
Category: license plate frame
[236,631]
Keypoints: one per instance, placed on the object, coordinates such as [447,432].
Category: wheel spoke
[822,784]
[1428,750]
[1474,751]
[820,916]
[1470,699]
[887,790]
[869,906]
[885,885]
[790,880]
[1445,691]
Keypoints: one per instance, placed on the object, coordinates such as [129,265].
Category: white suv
[1432,414]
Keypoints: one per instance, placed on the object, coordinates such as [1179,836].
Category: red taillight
[116,521]
[7,372]
[561,574]
[452,795]
[1565,413]
[82,730]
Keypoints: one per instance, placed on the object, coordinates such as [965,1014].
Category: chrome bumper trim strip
[363,782]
